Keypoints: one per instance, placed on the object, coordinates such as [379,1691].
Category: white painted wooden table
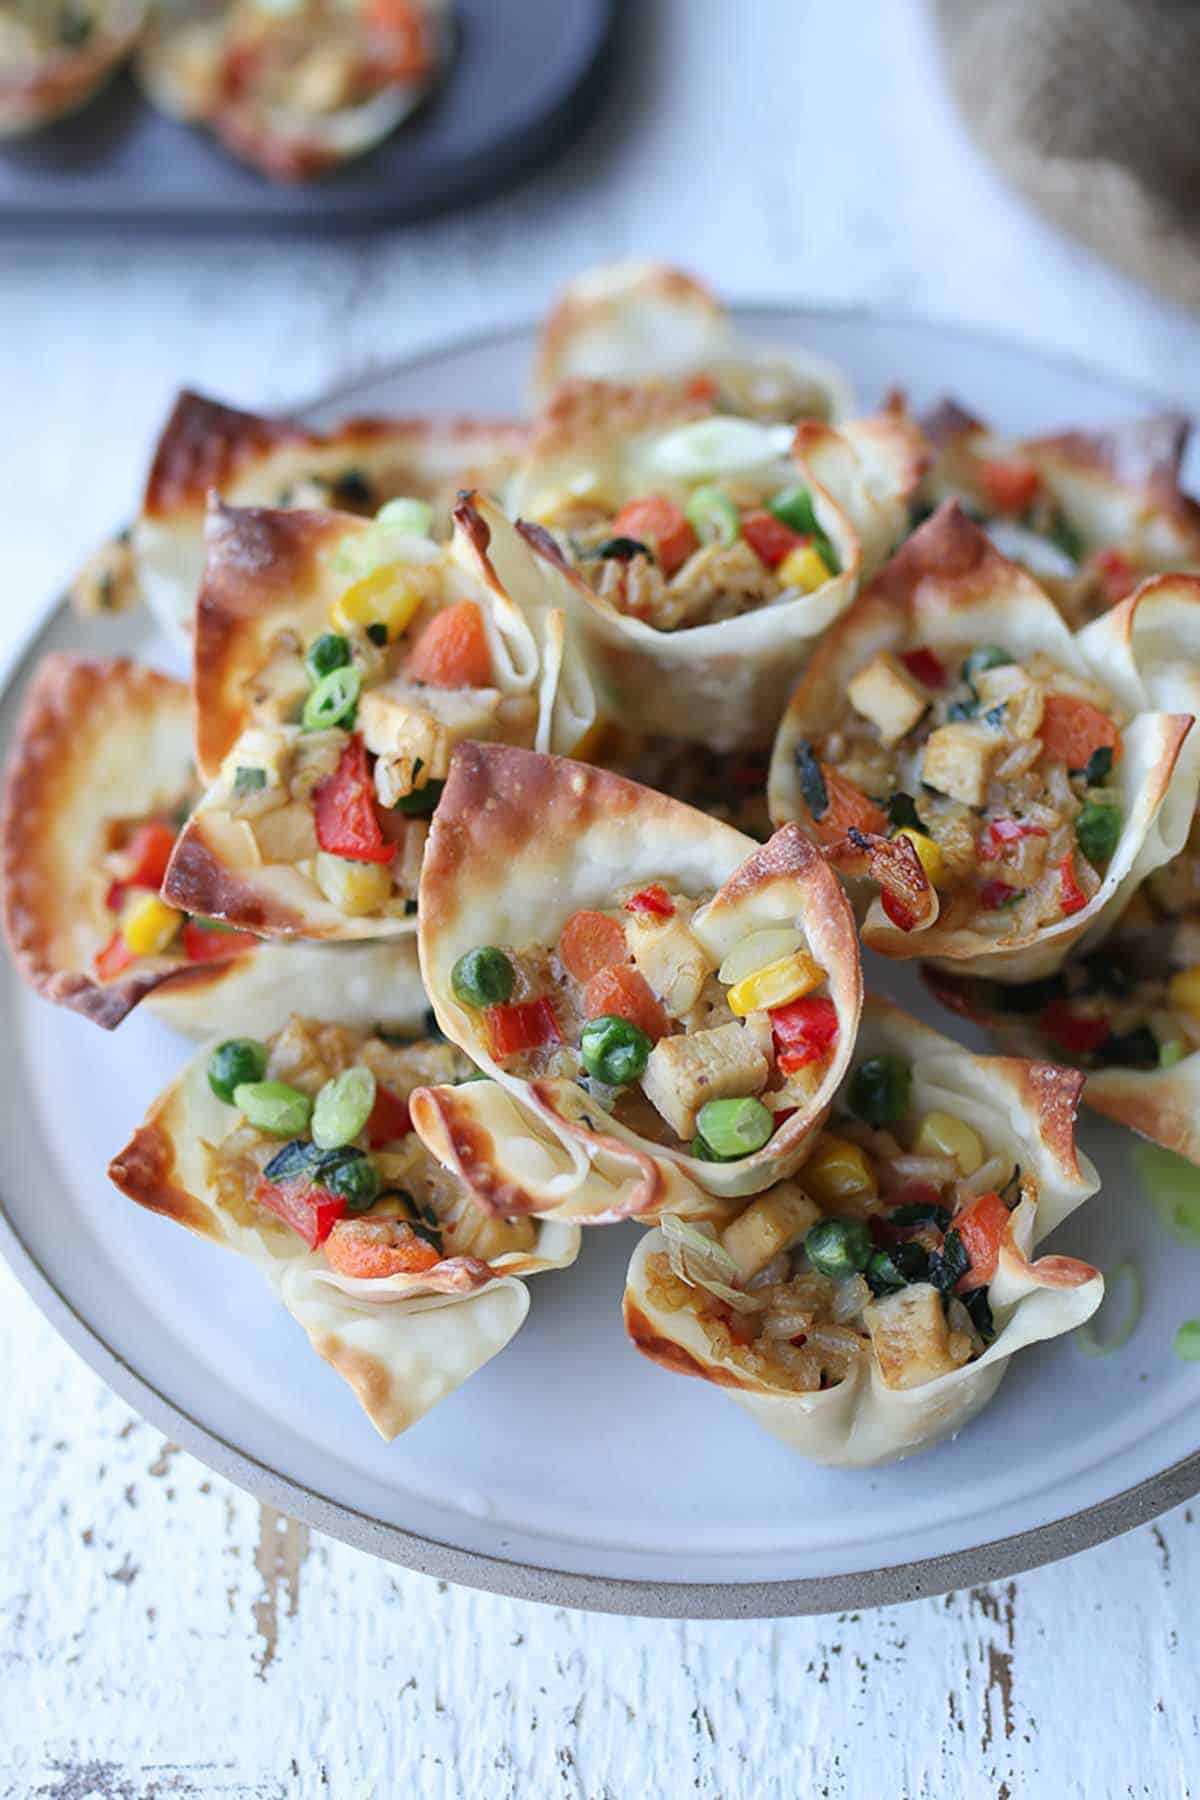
[160,1633]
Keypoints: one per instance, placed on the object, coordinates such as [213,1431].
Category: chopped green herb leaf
[812,781]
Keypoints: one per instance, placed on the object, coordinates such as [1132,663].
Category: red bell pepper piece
[1011,486]
[1001,833]
[654,900]
[311,1211]
[521,1025]
[144,858]
[344,806]
[981,1228]
[389,1119]
[994,896]
[1072,896]
[802,1032]
[114,959]
[902,916]
[926,666]
[1074,1031]
[203,944]
[1116,575]
[769,538]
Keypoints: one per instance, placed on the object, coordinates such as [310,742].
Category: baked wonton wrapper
[630,321]
[250,460]
[1113,490]
[949,587]
[1025,1109]
[271,579]
[101,743]
[599,446]
[402,1342]
[520,843]
[47,69]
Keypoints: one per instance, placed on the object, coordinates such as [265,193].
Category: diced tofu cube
[772,1223]
[409,725]
[281,686]
[287,835]
[958,761]
[910,1336]
[356,888]
[1022,699]
[885,693]
[686,1071]
[672,959]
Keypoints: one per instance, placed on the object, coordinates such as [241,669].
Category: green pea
[733,1128]
[987,656]
[483,977]
[614,1050]
[1098,830]
[343,1107]
[334,700]
[356,1181]
[879,1090]
[274,1107]
[839,1247]
[325,654]
[713,516]
[235,1061]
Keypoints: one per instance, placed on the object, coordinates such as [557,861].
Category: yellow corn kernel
[150,925]
[836,1170]
[774,985]
[804,568]
[381,598]
[356,888]
[941,1134]
[929,852]
[1183,991]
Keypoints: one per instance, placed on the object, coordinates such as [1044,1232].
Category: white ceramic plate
[570,1470]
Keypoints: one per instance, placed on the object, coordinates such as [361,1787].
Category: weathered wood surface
[163,1635]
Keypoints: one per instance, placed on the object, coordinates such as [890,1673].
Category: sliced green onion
[413,517]
[333,701]
[733,1128]
[614,1050]
[1098,831]
[1172,1185]
[880,1089]
[421,800]
[713,516]
[839,1247]
[1186,1343]
[274,1107]
[794,508]
[812,780]
[235,1061]
[325,654]
[1125,1275]
[343,1107]
[1065,536]
[483,977]
[719,446]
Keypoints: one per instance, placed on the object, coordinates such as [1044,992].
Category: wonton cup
[101,743]
[1027,1109]
[949,588]
[40,84]
[249,460]
[724,682]
[630,321]
[401,1342]
[271,580]
[520,843]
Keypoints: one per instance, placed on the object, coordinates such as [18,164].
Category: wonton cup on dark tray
[99,774]
[870,1305]
[403,1285]
[664,1007]
[633,321]
[248,460]
[714,550]
[337,664]
[1090,513]
[1006,783]
[55,54]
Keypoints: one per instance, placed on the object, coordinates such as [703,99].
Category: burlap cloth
[1092,109]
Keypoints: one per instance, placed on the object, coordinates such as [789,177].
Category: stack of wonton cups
[514,840]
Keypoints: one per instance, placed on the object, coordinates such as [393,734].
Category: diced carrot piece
[591,941]
[624,991]
[373,1249]
[1073,729]
[452,651]
[1011,487]
[662,525]
[981,1228]
[848,806]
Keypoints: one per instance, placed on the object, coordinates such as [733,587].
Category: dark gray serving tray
[525,78]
